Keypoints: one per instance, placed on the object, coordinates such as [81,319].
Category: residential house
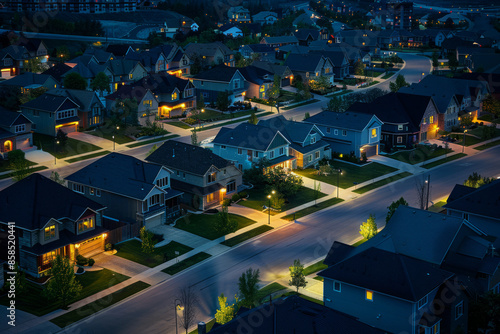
[247,144]
[29,80]
[465,54]
[306,36]
[88,66]
[339,61]
[408,119]
[50,220]
[349,132]
[231,30]
[15,132]
[125,71]
[258,81]
[310,66]
[36,48]
[282,71]
[279,41]
[363,39]
[119,50]
[305,19]
[259,51]
[163,58]
[100,55]
[450,46]
[218,79]
[211,53]
[265,17]
[84,7]
[12,60]
[90,107]
[57,71]
[147,103]
[388,38]
[239,14]
[173,25]
[292,314]
[306,143]
[131,189]
[204,177]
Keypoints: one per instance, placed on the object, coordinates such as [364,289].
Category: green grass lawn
[98,305]
[232,122]
[202,224]
[150,141]
[72,146]
[264,293]
[209,324]
[107,132]
[300,104]
[186,263]
[246,235]
[485,146]
[312,209]
[32,170]
[387,75]
[88,156]
[350,173]
[293,293]
[314,268]
[33,301]
[336,94]
[5,165]
[382,182]
[210,114]
[445,160]
[357,243]
[257,197]
[131,250]
[179,124]
[470,140]
[420,154]
[437,207]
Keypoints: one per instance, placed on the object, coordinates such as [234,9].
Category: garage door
[370,150]
[23,143]
[91,247]
[155,221]
[68,129]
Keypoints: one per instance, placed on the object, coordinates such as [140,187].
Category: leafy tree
[484,314]
[297,277]
[369,228]
[253,118]
[31,94]
[75,81]
[452,61]
[225,312]
[489,132]
[248,286]
[20,166]
[154,148]
[306,115]
[194,137]
[200,102]
[34,65]
[359,68]
[224,224]
[435,59]
[392,208]
[255,174]
[9,97]
[127,110]
[61,137]
[222,101]
[189,301]
[282,182]
[491,105]
[336,104]
[63,285]
[196,65]
[317,191]
[54,176]
[475,180]
[101,83]
[466,120]
[273,93]
[277,201]
[398,84]
[148,245]
[320,84]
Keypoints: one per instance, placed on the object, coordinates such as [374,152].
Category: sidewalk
[401,166]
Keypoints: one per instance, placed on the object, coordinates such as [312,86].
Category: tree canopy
[369,228]
[75,81]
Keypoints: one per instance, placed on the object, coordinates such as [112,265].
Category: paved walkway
[119,264]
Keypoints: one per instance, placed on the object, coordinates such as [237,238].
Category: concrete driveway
[119,264]
[94,140]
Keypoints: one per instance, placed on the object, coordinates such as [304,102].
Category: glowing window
[369,295]
[374,133]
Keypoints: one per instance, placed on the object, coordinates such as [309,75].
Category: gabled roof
[256,75]
[295,132]
[279,39]
[389,273]
[15,51]
[180,156]
[261,48]
[347,120]
[206,49]
[220,73]
[303,62]
[119,50]
[57,71]
[9,118]
[121,66]
[273,68]
[248,136]
[261,16]
[27,79]
[454,42]
[128,92]
[120,174]
[458,192]
[483,201]
[303,34]
[84,98]
[34,200]
[51,103]
[99,54]
[337,57]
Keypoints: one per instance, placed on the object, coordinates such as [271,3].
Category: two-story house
[339,61]
[12,60]
[247,144]
[239,14]
[167,57]
[349,132]
[260,51]
[282,71]
[50,220]
[211,54]
[204,177]
[408,119]
[306,35]
[131,189]
[220,79]
[258,81]
[27,81]
[147,103]
[277,42]
[265,17]
[15,132]
[305,139]
[125,71]
[90,107]
[310,66]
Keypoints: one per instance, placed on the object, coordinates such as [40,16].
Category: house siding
[45,122]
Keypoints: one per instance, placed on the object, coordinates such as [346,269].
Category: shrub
[81,260]
[226,202]
[235,198]
[91,262]
[15,155]
[190,121]
[108,247]
[243,194]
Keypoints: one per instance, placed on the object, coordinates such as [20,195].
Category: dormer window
[313,140]
[85,224]
[174,96]
[20,128]
[49,232]
[211,177]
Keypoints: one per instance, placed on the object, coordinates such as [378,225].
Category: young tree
[148,245]
[475,180]
[194,137]
[466,120]
[297,277]
[63,285]
[222,101]
[34,65]
[452,61]
[101,83]
[75,81]
[189,301]
[126,109]
[282,182]
[224,224]
[369,228]
[253,118]
[359,68]
[196,66]
[248,286]
[277,201]
[320,84]
[20,166]
[225,312]
[306,115]
[273,93]
[200,102]
[61,137]
[392,208]
[54,176]
[317,191]
[336,104]
[422,189]
[398,84]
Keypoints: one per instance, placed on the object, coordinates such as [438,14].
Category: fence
[120,231]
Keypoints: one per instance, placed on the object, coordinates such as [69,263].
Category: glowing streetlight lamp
[177,307]
[269,207]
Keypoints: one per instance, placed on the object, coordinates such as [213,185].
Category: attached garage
[154,221]
[68,128]
[91,246]
[23,142]
[370,150]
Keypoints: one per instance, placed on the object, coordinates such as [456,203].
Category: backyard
[72,146]
[351,174]
[257,198]
[420,154]
[132,250]
[202,224]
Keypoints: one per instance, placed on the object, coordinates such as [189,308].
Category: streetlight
[113,142]
[463,141]
[422,76]
[428,183]
[269,207]
[278,107]
[339,172]
[55,157]
[177,306]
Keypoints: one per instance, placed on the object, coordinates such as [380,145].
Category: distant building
[239,14]
[401,13]
[74,6]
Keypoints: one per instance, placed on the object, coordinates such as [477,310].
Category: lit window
[148,103]
[91,191]
[50,232]
[174,96]
[85,224]
[369,295]
[374,133]
[262,88]
[211,177]
[431,119]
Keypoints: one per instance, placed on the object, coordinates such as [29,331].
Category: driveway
[40,157]
[94,140]
[119,264]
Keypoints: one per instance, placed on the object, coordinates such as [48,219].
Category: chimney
[202,328]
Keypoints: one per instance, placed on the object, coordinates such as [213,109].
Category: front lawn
[202,224]
[179,124]
[109,130]
[6,166]
[307,211]
[388,75]
[210,115]
[186,263]
[488,145]
[420,154]
[382,182]
[478,132]
[350,173]
[437,207]
[314,268]
[246,235]
[257,198]
[150,141]
[445,160]
[132,250]
[72,146]
[33,301]
[88,156]
[300,104]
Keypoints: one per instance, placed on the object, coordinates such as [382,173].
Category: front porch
[286,162]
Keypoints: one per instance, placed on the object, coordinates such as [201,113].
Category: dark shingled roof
[26,79]
[347,120]
[186,157]
[9,118]
[34,200]
[246,135]
[484,201]
[57,71]
[389,273]
[303,62]
[260,48]
[303,34]
[50,103]
[220,73]
[118,50]
[459,191]
[256,74]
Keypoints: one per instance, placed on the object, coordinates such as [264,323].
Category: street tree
[101,83]
[435,59]
[422,192]
[75,81]
[273,93]
[285,183]
[369,228]
[336,104]
[63,285]
[306,115]
[398,84]
[147,245]
[359,68]
[34,65]
[248,287]
[277,201]
[194,137]
[392,208]
[224,224]
[225,312]
[452,61]
[297,277]
[54,176]
[475,180]
[253,118]
[222,102]
[189,301]
[491,105]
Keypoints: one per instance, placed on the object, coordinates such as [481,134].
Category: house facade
[204,177]
[310,66]
[218,80]
[239,14]
[50,220]
[211,54]
[132,190]
[15,132]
